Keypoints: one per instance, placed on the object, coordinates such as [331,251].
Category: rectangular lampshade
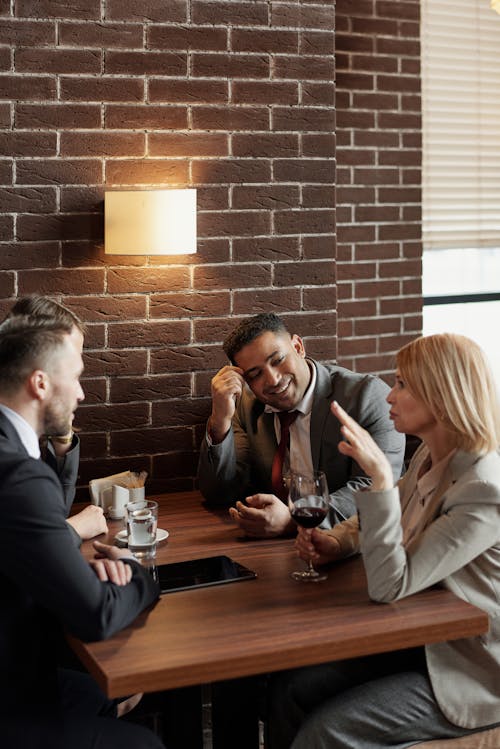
[150,222]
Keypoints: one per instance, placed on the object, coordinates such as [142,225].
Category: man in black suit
[62,452]
[46,584]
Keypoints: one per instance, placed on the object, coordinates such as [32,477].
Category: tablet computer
[199,573]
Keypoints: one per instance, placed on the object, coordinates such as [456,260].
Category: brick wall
[235,98]
[378,177]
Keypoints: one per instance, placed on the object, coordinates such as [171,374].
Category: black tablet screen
[198,573]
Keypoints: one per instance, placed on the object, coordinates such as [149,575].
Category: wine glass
[308,501]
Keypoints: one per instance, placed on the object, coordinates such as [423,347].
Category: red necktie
[286,419]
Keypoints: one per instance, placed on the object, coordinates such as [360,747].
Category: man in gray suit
[270,374]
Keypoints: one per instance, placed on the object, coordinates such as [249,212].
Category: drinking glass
[142,521]
[308,501]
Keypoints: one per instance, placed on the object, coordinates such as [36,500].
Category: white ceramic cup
[119,501]
[136,494]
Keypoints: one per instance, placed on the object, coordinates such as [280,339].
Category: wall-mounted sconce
[150,222]
[495,5]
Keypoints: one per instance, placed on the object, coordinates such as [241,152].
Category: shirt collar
[305,405]
[429,481]
[26,433]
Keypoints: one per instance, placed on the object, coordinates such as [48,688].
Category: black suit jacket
[45,582]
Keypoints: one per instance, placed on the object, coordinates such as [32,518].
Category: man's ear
[38,384]
[298,345]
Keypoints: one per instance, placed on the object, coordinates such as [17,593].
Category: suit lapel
[320,410]
[10,434]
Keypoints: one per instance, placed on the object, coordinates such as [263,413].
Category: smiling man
[270,375]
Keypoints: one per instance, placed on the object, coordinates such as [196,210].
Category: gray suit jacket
[241,464]
[458,547]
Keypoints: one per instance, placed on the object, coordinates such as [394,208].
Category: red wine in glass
[308,501]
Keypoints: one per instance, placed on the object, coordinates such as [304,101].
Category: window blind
[461,124]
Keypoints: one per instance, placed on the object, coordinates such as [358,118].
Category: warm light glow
[150,222]
[495,5]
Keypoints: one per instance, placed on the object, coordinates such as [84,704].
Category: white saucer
[121,537]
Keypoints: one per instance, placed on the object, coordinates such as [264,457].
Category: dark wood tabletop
[267,624]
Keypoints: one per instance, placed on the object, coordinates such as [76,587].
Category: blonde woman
[439,524]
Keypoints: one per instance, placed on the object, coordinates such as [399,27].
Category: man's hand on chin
[263,516]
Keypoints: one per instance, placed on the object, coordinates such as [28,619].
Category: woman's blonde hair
[450,374]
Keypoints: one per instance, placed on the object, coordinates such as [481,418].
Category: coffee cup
[119,499]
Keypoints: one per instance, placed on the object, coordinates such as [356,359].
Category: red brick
[231,170]
[88,9]
[62,226]
[7,284]
[213,198]
[157,387]
[253,13]
[266,196]
[235,276]
[264,92]
[400,231]
[5,61]
[146,172]
[55,116]
[61,281]
[102,89]
[130,335]
[318,145]
[187,38]
[318,94]
[213,250]
[320,298]
[185,359]
[304,67]
[107,308]
[151,441]
[57,172]
[181,412]
[353,119]
[255,249]
[212,330]
[377,251]
[101,35]
[318,196]
[5,117]
[188,144]
[113,417]
[316,42]
[266,300]
[81,199]
[192,304]
[376,289]
[264,40]
[230,118]
[77,253]
[145,116]
[304,170]
[303,118]
[145,63]
[230,65]
[312,273]
[77,143]
[376,176]
[33,60]
[399,121]
[322,348]
[319,247]
[234,223]
[30,200]
[126,280]
[354,43]
[305,221]
[174,11]
[26,33]
[403,83]
[95,337]
[265,144]
[94,389]
[29,255]
[376,64]
[302,16]
[188,91]
[397,46]
[18,87]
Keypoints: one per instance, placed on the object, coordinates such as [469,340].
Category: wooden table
[257,626]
